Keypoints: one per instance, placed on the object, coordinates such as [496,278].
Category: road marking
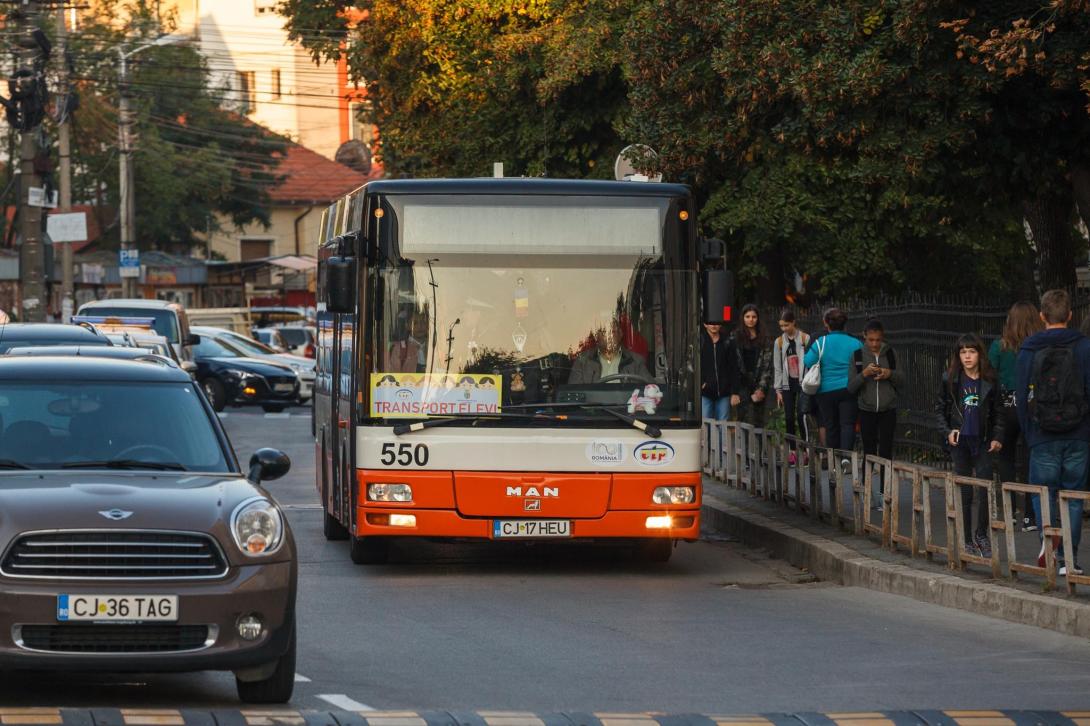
[343,702]
[299,677]
[303,507]
[278,415]
[223,414]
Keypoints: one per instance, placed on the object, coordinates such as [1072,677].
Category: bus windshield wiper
[611,409]
[401,429]
[125,464]
[12,464]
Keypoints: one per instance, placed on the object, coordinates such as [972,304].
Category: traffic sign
[67,227]
[129,263]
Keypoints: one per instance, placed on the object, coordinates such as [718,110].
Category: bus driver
[608,357]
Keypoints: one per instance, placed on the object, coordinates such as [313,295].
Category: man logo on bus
[654,453]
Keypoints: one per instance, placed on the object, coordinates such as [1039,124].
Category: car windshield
[250,347]
[210,347]
[166,321]
[49,425]
[294,336]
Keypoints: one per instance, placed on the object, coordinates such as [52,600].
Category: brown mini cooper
[130,540]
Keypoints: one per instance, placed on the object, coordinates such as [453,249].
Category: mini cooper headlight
[257,526]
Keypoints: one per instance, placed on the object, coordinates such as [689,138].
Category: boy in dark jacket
[1053,399]
[718,372]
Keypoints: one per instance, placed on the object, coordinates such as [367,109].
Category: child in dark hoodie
[1057,436]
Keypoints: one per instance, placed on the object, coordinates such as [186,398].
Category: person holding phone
[876,381]
[969,415]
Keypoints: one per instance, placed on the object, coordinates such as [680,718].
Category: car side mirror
[718,295]
[268,464]
[341,284]
[193,339]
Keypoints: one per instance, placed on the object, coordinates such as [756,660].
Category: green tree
[193,157]
[455,86]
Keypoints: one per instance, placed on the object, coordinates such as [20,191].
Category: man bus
[509,359]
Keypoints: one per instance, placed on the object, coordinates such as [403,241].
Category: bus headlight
[673,495]
[389,492]
[257,526]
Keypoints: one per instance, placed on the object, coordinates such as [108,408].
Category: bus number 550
[404,454]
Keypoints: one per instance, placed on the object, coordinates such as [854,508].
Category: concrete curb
[833,562]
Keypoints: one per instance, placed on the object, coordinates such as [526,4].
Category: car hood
[181,501]
[306,365]
[253,365]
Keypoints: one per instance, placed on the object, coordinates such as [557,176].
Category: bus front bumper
[675,523]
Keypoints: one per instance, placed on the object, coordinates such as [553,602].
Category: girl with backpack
[788,351]
[754,361]
[1023,320]
[969,416]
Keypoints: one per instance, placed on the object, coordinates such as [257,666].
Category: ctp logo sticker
[605,453]
[654,453]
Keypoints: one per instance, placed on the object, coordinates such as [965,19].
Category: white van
[170,318]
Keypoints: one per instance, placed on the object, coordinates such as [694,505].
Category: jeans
[717,408]
[1060,465]
[979,464]
[838,412]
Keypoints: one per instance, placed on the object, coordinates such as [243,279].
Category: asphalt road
[720,629]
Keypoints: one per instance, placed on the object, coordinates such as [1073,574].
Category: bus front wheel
[370,550]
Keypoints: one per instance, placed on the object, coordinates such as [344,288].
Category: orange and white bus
[509,359]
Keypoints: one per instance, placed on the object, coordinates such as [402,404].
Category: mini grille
[114,638]
[119,554]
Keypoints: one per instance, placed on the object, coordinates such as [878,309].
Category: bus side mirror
[341,285]
[712,249]
[718,296]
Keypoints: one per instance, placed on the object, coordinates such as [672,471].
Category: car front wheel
[278,687]
[213,391]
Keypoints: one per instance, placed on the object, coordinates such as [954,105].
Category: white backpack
[811,381]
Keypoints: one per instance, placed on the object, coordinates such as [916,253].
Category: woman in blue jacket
[836,351]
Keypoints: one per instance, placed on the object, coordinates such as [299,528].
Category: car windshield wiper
[12,464]
[401,429]
[125,464]
[611,409]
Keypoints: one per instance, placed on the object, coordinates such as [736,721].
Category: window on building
[247,93]
[265,7]
[360,122]
[256,249]
[274,82]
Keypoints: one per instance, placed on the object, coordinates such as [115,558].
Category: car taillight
[310,352]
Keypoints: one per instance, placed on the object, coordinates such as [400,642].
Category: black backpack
[1057,399]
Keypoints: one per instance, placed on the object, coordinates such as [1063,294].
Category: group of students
[1031,382]
[859,379]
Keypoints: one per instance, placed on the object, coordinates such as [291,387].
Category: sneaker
[845,465]
[1045,543]
[984,545]
[1076,570]
[1031,527]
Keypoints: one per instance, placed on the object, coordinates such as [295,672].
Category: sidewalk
[837,556]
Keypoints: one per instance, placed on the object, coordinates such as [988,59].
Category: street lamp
[124,123]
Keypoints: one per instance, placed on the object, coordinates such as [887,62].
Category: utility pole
[124,138]
[65,183]
[27,108]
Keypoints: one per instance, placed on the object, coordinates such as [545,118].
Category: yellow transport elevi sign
[419,395]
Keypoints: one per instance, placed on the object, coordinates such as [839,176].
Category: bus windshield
[472,320]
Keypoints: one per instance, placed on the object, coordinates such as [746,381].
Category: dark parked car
[24,335]
[227,375]
[130,538]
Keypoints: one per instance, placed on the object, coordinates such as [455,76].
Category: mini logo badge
[115,514]
[532,505]
[605,453]
[654,453]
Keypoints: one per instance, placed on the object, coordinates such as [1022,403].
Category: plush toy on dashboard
[648,402]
